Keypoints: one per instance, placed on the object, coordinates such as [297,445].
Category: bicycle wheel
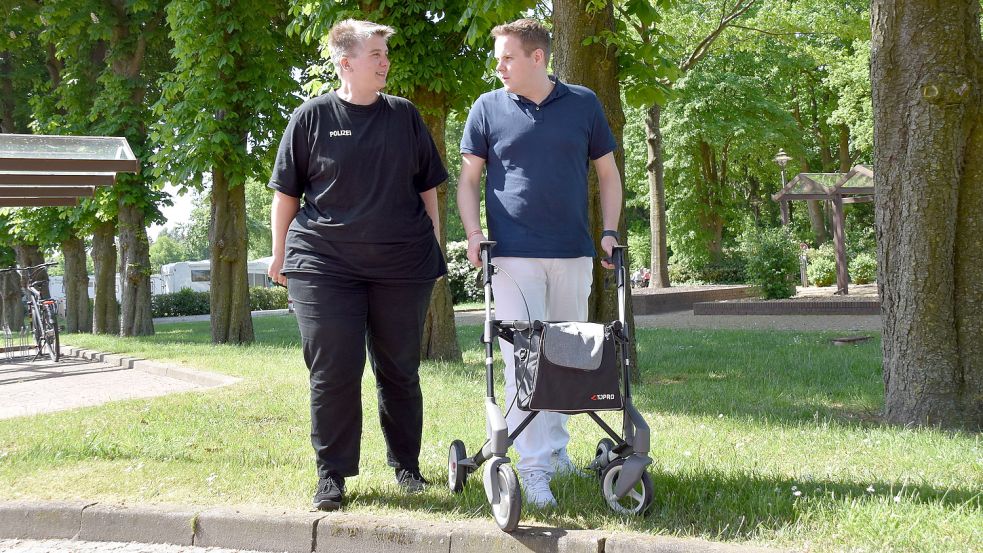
[37,327]
[51,332]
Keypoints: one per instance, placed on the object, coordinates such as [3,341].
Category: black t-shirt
[361,170]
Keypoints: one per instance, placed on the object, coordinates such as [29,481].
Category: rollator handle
[485,247]
[618,259]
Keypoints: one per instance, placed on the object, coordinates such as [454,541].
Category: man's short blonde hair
[345,37]
[531,33]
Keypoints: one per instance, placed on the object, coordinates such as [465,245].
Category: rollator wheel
[602,454]
[457,474]
[509,507]
[635,502]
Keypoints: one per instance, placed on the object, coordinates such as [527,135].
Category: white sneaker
[563,465]
[537,488]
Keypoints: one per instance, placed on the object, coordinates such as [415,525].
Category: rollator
[565,367]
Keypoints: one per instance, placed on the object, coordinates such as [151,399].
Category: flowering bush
[461,275]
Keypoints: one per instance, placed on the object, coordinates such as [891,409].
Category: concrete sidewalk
[307,532]
[83,378]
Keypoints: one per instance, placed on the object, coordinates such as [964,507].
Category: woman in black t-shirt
[360,256]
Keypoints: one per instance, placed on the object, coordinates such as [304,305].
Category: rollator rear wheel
[635,502]
[509,507]
[457,474]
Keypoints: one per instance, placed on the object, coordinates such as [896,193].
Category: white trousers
[554,290]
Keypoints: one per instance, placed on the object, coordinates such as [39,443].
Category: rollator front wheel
[637,501]
[457,474]
[509,507]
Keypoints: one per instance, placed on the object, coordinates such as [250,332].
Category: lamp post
[781,159]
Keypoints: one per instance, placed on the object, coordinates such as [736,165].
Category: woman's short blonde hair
[345,37]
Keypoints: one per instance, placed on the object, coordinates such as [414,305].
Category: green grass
[758,436]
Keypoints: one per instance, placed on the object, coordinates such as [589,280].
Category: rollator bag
[567,367]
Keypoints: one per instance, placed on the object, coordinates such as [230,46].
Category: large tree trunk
[231,319]
[595,67]
[11,294]
[105,311]
[29,256]
[439,333]
[76,282]
[7,96]
[657,198]
[927,74]
[134,255]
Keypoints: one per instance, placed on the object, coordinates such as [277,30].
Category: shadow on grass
[738,507]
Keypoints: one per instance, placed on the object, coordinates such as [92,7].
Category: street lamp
[781,159]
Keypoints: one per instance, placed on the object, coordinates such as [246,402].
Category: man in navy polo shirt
[535,137]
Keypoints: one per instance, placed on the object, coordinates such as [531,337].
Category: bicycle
[44,313]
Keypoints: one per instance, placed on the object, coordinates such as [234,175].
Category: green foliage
[822,265]
[166,249]
[182,303]
[228,98]
[772,261]
[447,31]
[263,299]
[639,245]
[863,268]
[259,199]
[729,269]
[461,274]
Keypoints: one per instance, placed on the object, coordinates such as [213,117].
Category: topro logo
[343,132]
[600,397]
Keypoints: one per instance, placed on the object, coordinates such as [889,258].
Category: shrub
[461,274]
[772,261]
[822,265]
[181,303]
[261,299]
[863,268]
[728,270]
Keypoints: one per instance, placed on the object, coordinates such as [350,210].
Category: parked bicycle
[43,312]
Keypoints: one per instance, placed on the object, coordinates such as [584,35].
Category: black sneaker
[330,493]
[411,480]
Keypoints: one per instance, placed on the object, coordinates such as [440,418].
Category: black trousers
[339,318]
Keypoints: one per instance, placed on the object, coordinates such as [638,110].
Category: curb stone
[41,519]
[304,532]
[159,524]
[258,530]
[192,376]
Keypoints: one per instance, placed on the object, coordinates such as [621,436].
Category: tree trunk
[134,264]
[439,333]
[105,311]
[657,198]
[29,256]
[927,74]
[7,96]
[11,294]
[846,162]
[76,282]
[817,216]
[595,67]
[231,318]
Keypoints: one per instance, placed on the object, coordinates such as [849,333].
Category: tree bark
[11,294]
[105,311]
[230,315]
[29,256]
[926,75]
[657,198]
[76,282]
[439,332]
[595,67]
[7,96]
[134,255]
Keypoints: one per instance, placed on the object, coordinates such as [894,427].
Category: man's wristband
[612,233]
[473,232]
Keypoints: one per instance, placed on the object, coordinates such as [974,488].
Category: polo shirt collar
[559,89]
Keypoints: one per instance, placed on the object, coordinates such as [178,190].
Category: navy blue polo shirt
[537,160]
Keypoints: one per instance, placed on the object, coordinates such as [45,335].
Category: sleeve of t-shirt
[431,168]
[290,167]
[602,140]
[475,138]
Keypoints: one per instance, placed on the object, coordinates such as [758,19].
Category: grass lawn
[758,436]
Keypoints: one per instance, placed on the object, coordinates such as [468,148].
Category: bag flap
[574,345]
